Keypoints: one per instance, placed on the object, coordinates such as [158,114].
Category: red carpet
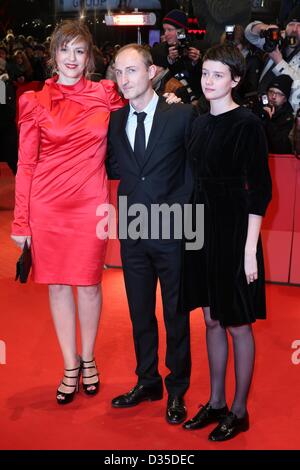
[31,419]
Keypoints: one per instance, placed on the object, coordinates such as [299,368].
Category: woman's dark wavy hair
[230,56]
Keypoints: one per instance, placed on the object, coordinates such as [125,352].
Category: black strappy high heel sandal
[93,387]
[63,397]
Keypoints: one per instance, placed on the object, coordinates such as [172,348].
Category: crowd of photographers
[271,87]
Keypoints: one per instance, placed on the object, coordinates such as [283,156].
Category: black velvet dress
[230,160]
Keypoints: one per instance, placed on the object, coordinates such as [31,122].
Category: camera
[256,102]
[273,39]
[264,100]
[229,30]
[290,41]
[183,42]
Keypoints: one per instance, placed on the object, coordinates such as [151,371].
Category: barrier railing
[280,229]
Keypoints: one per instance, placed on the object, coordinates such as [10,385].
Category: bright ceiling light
[133,19]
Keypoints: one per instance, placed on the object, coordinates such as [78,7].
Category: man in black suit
[147,152]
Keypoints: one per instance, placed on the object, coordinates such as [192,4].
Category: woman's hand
[20,240]
[250,261]
[250,265]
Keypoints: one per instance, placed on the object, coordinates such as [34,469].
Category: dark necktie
[140,138]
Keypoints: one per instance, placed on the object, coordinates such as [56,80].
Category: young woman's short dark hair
[230,56]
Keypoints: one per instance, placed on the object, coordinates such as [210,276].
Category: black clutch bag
[24,264]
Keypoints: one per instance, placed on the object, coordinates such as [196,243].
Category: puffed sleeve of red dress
[29,138]
[114,100]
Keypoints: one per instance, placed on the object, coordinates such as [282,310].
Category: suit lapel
[159,122]
[123,134]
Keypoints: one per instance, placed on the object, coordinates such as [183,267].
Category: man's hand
[171,98]
[271,26]
[173,53]
[276,55]
[269,110]
[20,240]
[256,29]
[194,54]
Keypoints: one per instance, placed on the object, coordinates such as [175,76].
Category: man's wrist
[279,68]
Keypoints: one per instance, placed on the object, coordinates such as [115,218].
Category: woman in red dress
[61,180]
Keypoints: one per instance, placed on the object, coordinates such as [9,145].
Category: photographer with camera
[235,36]
[283,50]
[278,115]
[183,55]
[163,81]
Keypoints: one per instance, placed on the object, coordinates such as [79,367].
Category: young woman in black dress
[229,156]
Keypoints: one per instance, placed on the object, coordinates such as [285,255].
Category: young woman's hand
[250,266]
[20,240]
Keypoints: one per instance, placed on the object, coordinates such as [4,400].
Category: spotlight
[132,19]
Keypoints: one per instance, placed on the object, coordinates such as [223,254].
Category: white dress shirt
[132,120]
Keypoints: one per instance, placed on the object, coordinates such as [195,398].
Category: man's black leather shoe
[205,416]
[229,427]
[176,410]
[136,395]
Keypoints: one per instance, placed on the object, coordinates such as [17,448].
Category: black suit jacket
[165,175]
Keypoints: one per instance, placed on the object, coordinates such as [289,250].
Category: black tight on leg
[217,350]
[244,354]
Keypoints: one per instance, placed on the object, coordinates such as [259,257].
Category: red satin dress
[61,178]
